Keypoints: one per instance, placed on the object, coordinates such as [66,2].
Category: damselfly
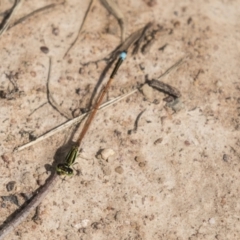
[65,168]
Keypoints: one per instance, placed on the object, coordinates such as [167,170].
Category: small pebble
[96,225]
[10,186]
[147,91]
[70,78]
[118,216]
[44,49]
[159,140]
[27,178]
[6,158]
[169,99]
[33,74]
[85,222]
[3,205]
[142,164]
[55,31]
[106,153]
[106,170]
[219,83]
[85,230]
[11,198]
[139,159]
[76,112]
[72,236]
[40,170]
[176,24]
[41,179]
[226,157]
[212,221]
[189,20]
[119,170]
[176,105]
[151,3]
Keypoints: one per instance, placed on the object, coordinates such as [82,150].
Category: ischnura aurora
[66,167]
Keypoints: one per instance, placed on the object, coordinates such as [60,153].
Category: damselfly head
[64,169]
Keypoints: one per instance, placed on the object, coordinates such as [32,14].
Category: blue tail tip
[123,55]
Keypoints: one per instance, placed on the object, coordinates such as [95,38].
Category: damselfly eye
[69,172]
[63,169]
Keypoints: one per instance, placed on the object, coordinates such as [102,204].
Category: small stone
[96,225]
[41,179]
[6,158]
[119,170]
[85,222]
[169,99]
[55,31]
[106,170]
[147,91]
[118,216]
[40,170]
[86,230]
[212,221]
[151,3]
[72,236]
[70,78]
[106,153]
[139,159]
[33,74]
[27,178]
[44,49]
[176,105]
[226,157]
[142,164]
[159,140]
[11,198]
[10,186]
[219,83]
[176,24]
[3,205]
[76,112]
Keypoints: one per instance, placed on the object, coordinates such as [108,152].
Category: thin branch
[114,9]
[134,38]
[134,130]
[173,67]
[71,122]
[37,108]
[164,87]
[80,29]
[20,20]
[6,21]
[50,98]
[34,202]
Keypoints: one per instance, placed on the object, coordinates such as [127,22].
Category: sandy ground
[177,176]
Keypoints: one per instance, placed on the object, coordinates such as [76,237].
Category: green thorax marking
[71,156]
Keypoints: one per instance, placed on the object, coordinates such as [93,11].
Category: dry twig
[7,20]
[20,20]
[80,29]
[50,98]
[114,9]
[34,202]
